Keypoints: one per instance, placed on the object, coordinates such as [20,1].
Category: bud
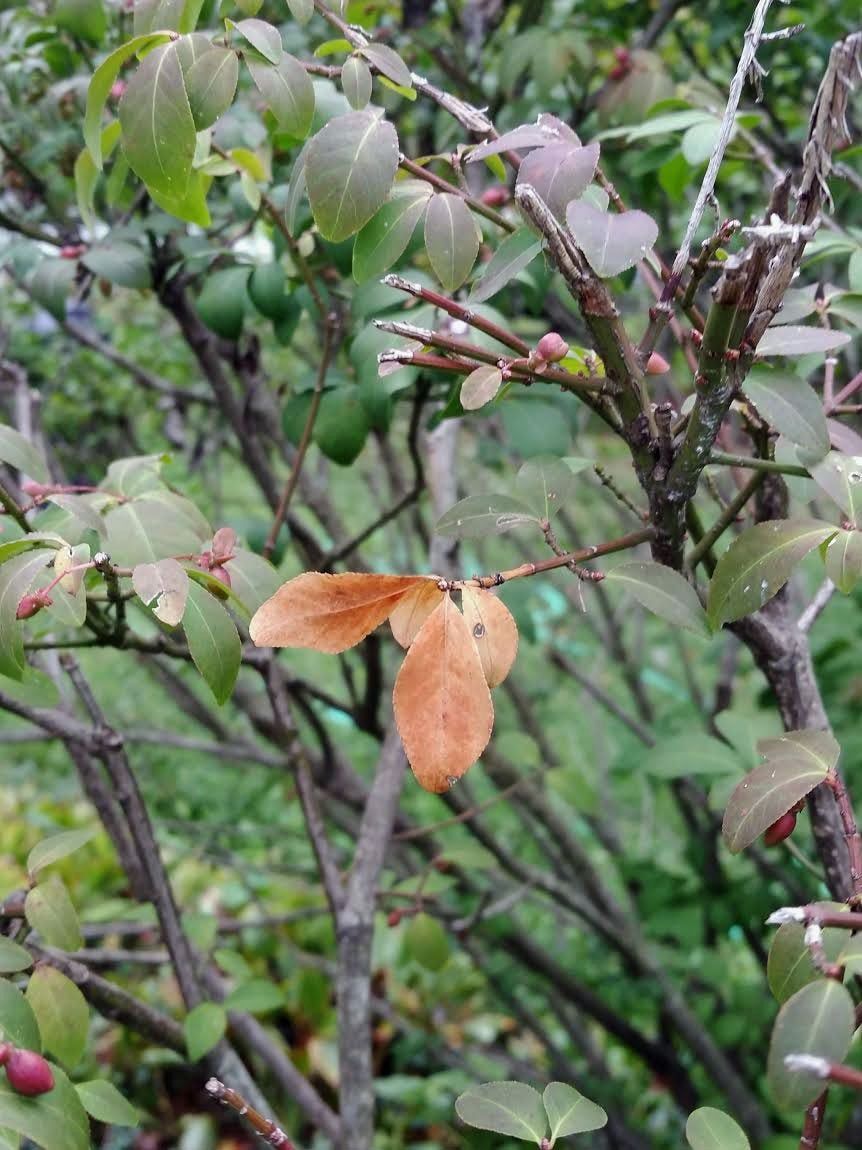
[551,348]
[780,830]
[622,55]
[72,251]
[32,604]
[28,1073]
[394,917]
[657,364]
[118,89]
[495,196]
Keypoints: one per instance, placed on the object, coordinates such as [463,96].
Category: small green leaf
[100,86]
[790,339]
[120,263]
[794,765]
[211,84]
[480,386]
[56,847]
[840,476]
[62,1013]
[158,128]
[301,10]
[711,1129]
[758,563]
[686,755]
[18,1023]
[514,254]
[569,1112]
[253,579]
[849,952]
[426,942]
[263,37]
[17,575]
[792,407]
[451,238]
[818,1020]
[103,1101]
[789,966]
[350,167]
[51,283]
[13,958]
[144,531]
[382,241]
[86,179]
[257,996]
[49,910]
[387,61]
[664,592]
[20,453]
[842,559]
[83,18]
[547,483]
[478,516]
[54,1121]
[204,1028]
[356,82]
[289,93]
[510,1108]
[213,641]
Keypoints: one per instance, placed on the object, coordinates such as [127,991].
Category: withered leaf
[328,613]
[494,632]
[442,703]
[413,609]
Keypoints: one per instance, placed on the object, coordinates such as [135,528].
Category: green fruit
[222,302]
[425,941]
[266,289]
[341,427]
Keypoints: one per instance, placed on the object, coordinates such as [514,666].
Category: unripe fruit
[657,364]
[394,917]
[28,1073]
[495,196]
[551,348]
[780,830]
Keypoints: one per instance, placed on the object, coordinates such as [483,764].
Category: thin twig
[268,1130]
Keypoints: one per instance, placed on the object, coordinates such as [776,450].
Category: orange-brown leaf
[494,632]
[443,706]
[413,609]
[328,613]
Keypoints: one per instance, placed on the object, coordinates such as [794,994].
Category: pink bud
[37,490]
[657,364]
[28,1073]
[118,89]
[32,604]
[495,196]
[551,348]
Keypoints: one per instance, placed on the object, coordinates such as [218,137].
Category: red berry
[780,830]
[551,348]
[72,251]
[496,196]
[657,364]
[394,917]
[618,72]
[28,1073]
[31,605]
[623,56]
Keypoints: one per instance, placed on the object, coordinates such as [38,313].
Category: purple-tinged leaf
[560,173]
[611,243]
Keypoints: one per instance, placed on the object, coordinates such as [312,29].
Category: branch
[267,1130]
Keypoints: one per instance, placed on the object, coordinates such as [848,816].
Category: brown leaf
[328,613]
[413,609]
[442,703]
[494,632]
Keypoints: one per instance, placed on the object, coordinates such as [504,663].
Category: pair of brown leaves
[442,699]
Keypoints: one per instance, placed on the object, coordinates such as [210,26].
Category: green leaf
[350,167]
[569,1112]
[56,847]
[840,476]
[86,178]
[387,61]
[83,18]
[711,1129]
[174,15]
[302,10]
[789,966]
[843,560]
[794,764]
[16,577]
[451,238]
[382,241]
[13,958]
[511,1108]
[792,407]
[790,339]
[514,254]
[547,483]
[849,952]
[686,755]
[49,910]
[480,386]
[253,579]
[121,263]
[664,592]
[758,563]
[100,87]
[62,1013]
[426,942]
[699,141]
[818,1020]
[103,1101]
[134,475]
[288,91]
[213,641]
[211,84]
[263,37]
[479,516]
[258,996]
[356,82]
[18,1023]
[51,283]
[204,1028]
[191,206]
[54,1121]
[20,453]
[158,128]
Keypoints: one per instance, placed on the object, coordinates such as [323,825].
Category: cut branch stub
[328,613]
[443,707]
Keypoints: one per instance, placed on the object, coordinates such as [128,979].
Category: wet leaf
[413,609]
[843,560]
[100,87]
[451,238]
[288,91]
[664,592]
[329,613]
[478,516]
[546,131]
[818,1020]
[263,37]
[511,1108]
[211,85]
[350,167]
[792,407]
[480,387]
[840,476]
[569,1112]
[494,632]
[789,966]
[612,242]
[158,128]
[547,483]
[442,704]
